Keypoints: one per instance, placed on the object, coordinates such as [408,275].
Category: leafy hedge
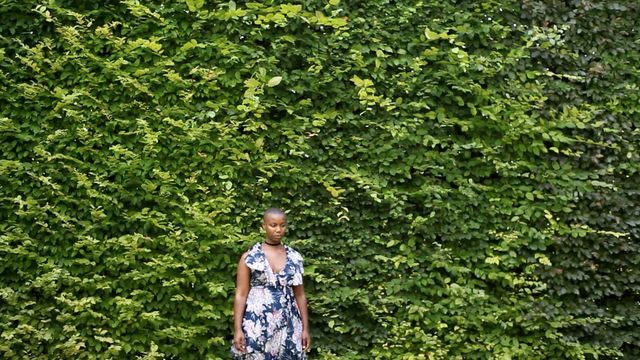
[597,275]
[461,177]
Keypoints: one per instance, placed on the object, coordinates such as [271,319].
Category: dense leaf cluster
[597,275]
[461,177]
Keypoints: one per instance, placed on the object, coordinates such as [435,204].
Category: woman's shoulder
[255,247]
[252,257]
[249,252]
[293,253]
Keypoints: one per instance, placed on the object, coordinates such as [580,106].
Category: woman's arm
[243,277]
[301,300]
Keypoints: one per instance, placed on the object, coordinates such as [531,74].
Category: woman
[270,307]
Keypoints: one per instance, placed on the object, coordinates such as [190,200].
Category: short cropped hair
[273,211]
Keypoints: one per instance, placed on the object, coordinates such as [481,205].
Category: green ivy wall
[461,177]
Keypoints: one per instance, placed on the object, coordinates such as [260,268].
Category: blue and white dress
[271,322]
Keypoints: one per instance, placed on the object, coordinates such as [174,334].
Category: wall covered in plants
[461,177]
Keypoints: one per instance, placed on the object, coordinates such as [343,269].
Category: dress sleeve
[298,270]
[261,273]
[254,260]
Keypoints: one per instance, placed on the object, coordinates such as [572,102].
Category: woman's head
[274,222]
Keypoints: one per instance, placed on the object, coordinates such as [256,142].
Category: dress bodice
[262,274]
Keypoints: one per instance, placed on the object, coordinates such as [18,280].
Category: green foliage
[595,272]
[446,167]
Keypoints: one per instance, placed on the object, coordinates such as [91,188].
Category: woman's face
[276,226]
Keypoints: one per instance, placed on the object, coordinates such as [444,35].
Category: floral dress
[271,323]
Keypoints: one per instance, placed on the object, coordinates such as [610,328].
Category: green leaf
[195,5]
[274,81]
